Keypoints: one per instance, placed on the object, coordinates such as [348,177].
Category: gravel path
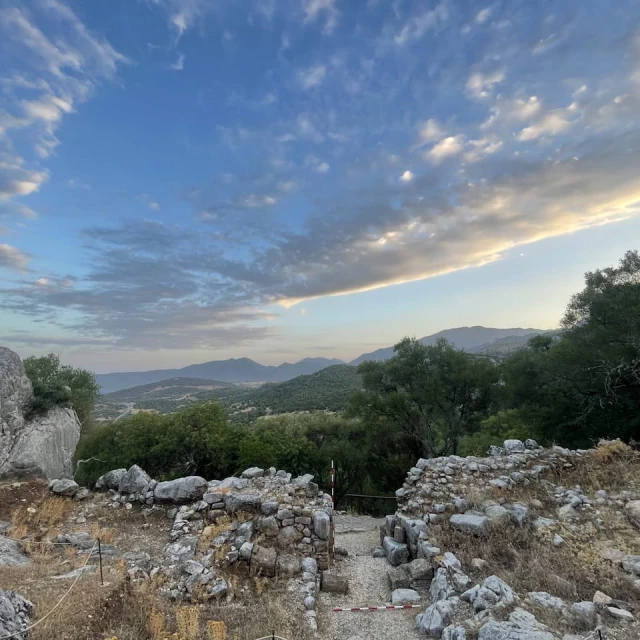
[367,586]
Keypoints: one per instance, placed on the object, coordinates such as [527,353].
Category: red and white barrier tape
[382,608]
[332,532]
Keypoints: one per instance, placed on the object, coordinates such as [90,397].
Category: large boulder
[65,487]
[397,552]
[182,490]
[15,394]
[110,480]
[15,615]
[43,446]
[135,480]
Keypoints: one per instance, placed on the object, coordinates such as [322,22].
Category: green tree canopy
[430,395]
[58,384]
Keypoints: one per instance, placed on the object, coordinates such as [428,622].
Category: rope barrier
[385,607]
[35,624]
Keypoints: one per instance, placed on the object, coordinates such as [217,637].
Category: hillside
[467,338]
[231,370]
[328,389]
[474,339]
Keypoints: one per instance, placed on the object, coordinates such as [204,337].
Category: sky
[189,180]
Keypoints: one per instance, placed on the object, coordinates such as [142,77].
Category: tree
[56,384]
[431,395]
[586,384]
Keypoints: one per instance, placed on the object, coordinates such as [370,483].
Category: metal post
[100,559]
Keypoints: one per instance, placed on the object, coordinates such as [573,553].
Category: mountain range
[474,339]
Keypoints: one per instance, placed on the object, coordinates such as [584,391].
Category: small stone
[404,596]
[558,541]
[620,614]
[65,487]
[253,472]
[585,610]
[602,598]
[475,525]
[332,583]
[478,564]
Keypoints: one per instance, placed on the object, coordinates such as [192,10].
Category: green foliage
[432,395]
[495,429]
[197,441]
[586,385]
[56,384]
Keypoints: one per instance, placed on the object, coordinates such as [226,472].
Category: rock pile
[450,489]
[15,615]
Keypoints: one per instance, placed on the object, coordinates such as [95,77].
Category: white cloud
[483,15]
[12,258]
[419,25]
[308,130]
[178,65]
[323,167]
[450,146]
[430,131]
[312,77]
[407,176]
[183,14]
[154,206]
[480,84]
[253,201]
[287,186]
[482,147]
[315,9]
[550,123]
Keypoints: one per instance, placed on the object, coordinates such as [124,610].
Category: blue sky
[186,180]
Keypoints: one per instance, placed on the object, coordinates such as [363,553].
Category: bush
[55,384]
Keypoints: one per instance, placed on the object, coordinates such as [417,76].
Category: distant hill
[467,338]
[328,389]
[232,370]
[473,339]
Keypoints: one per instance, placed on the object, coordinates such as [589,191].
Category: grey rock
[110,480]
[495,451]
[245,530]
[519,513]
[234,502]
[420,571]
[493,630]
[263,561]
[321,524]
[454,633]
[218,589]
[15,613]
[181,550]
[245,551]
[540,523]
[585,610]
[514,446]
[397,552]
[182,490]
[404,596]
[478,564]
[567,512]
[82,494]
[497,514]
[472,524]
[11,554]
[399,577]
[237,484]
[72,575]
[269,526]
[269,508]
[135,480]
[285,514]
[42,447]
[620,614]
[65,487]
[310,565]
[303,480]
[531,444]
[332,583]
[288,536]
[546,600]
[253,472]
[442,586]
[632,511]
[558,541]
[288,565]
[436,618]
[379,552]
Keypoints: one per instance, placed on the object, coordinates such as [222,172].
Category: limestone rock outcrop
[42,445]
